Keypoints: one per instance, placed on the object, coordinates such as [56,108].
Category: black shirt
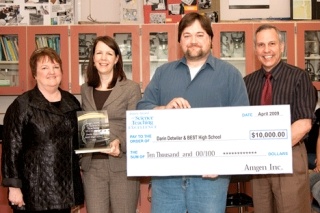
[100,97]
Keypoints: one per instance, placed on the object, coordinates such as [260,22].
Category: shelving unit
[232,42]
[308,58]
[12,71]
[159,45]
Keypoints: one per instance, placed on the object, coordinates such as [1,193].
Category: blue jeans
[189,193]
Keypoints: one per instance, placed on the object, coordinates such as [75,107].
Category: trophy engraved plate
[93,131]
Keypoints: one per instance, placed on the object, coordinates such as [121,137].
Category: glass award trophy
[93,131]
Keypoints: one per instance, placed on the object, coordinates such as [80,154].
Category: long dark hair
[93,78]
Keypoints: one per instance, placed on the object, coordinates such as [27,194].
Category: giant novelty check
[222,140]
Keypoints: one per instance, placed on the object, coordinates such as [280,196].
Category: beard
[194,54]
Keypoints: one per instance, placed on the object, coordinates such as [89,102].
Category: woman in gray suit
[107,187]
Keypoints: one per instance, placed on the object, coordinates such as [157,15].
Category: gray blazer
[124,96]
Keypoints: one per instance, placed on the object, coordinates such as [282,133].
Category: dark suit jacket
[124,96]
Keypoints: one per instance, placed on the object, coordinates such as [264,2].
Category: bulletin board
[171,11]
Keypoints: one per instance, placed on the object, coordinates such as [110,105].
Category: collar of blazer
[116,92]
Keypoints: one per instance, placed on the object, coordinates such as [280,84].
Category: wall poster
[301,9]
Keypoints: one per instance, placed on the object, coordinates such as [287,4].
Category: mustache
[193,45]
